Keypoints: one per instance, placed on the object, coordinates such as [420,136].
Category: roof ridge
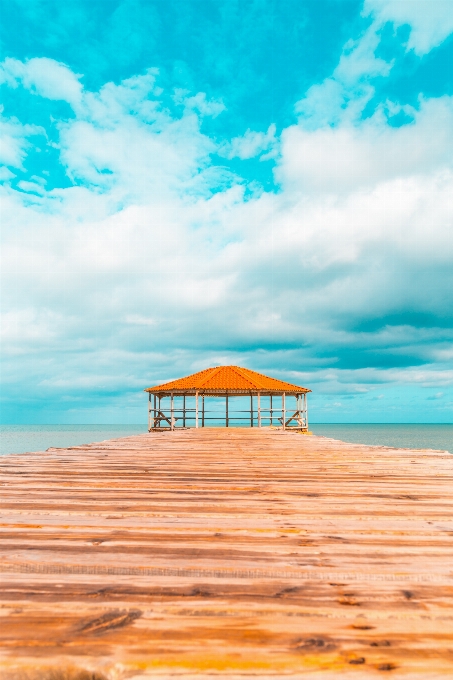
[215,370]
[239,370]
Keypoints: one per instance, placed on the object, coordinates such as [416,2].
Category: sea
[402,436]
[27,438]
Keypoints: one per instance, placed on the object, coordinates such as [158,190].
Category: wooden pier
[229,553]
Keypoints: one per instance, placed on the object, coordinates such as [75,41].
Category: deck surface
[226,553]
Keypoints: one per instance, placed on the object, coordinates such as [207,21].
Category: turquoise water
[22,438]
[401,436]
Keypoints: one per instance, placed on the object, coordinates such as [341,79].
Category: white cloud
[204,106]
[342,97]
[356,156]
[14,141]
[124,140]
[5,173]
[147,265]
[198,103]
[44,77]
[251,144]
[359,60]
[431,21]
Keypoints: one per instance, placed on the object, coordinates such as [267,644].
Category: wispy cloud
[430,21]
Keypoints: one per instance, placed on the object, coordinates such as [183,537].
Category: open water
[402,436]
[23,438]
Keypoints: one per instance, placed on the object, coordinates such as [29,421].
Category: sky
[189,183]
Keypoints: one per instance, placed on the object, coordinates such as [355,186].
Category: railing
[175,417]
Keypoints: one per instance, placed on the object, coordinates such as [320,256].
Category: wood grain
[226,553]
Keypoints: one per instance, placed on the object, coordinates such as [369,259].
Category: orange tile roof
[227,378]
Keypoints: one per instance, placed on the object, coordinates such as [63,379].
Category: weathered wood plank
[228,552]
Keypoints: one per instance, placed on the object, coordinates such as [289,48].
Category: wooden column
[152,412]
[283,410]
[196,409]
[306,410]
[202,411]
[259,409]
[172,412]
[271,410]
[226,411]
[184,411]
[251,410]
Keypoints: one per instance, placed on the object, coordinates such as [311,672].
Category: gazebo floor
[226,553]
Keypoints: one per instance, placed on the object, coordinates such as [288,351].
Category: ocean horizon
[35,438]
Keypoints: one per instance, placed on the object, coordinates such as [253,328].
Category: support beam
[295,416]
[251,410]
[149,411]
[161,417]
[196,409]
[172,411]
[271,410]
[283,410]
[226,411]
[202,411]
[259,409]
[184,411]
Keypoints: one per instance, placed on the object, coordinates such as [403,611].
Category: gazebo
[181,403]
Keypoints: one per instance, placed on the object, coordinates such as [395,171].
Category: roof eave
[201,390]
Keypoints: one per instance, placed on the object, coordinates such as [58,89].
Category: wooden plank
[227,553]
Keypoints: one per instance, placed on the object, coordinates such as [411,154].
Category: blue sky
[196,182]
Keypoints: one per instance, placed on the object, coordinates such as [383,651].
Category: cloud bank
[154,259]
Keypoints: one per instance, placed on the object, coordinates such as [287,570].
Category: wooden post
[202,411]
[259,409]
[283,410]
[196,409]
[251,410]
[271,410]
[172,412]
[226,411]
[306,410]
[184,411]
[149,411]
[154,411]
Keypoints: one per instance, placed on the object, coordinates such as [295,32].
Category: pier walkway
[226,553]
